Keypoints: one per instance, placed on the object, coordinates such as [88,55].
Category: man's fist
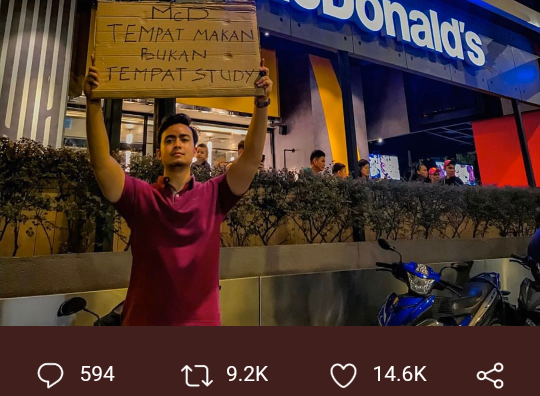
[264,82]
[91,81]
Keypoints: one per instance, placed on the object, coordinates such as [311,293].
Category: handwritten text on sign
[160,50]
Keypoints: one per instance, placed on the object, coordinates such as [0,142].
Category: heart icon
[343,368]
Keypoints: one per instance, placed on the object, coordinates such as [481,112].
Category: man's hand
[265,83]
[91,81]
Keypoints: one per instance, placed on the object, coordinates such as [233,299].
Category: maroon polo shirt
[175,242]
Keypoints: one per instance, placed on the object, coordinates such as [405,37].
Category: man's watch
[262,105]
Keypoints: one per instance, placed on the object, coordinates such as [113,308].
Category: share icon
[483,375]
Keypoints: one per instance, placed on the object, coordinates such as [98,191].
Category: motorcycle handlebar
[384,265]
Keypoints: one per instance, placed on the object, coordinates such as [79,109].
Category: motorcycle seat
[471,298]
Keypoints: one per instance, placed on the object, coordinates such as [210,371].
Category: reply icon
[50,384]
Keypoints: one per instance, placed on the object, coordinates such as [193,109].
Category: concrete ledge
[72,273]
[63,273]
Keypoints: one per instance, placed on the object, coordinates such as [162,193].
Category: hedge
[323,208]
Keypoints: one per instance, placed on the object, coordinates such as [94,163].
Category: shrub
[24,174]
[324,208]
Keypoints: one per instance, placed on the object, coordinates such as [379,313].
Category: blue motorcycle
[481,302]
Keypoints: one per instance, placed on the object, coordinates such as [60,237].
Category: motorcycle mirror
[72,306]
[383,243]
[460,265]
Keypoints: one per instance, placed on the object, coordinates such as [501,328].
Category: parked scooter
[479,303]
[528,309]
[78,304]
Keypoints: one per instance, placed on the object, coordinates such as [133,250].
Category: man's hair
[241,145]
[202,145]
[174,119]
[316,154]
[448,163]
[337,167]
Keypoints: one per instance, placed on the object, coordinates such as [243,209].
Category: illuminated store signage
[422,30]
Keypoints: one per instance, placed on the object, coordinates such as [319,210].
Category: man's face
[202,154]
[177,147]
[342,173]
[435,177]
[450,170]
[319,163]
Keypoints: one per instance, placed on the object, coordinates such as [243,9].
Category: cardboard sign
[166,50]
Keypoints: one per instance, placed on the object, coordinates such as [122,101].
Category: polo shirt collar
[164,183]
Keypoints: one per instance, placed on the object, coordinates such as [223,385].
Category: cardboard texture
[166,50]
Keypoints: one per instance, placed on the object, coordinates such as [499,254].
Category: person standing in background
[317,160]
[240,148]
[201,164]
[451,179]
[339,170]
[363,165]
[240,152]
[420,174]
[434,175]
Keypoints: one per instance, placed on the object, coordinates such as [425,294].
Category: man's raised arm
[109,174]
[241,172]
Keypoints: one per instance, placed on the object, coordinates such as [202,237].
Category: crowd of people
[421,173]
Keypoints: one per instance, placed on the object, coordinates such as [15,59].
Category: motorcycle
[528,309]
[78,304]
[481,302]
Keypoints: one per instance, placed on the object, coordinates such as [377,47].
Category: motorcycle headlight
[419,285]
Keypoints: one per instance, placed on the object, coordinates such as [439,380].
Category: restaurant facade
[406,81]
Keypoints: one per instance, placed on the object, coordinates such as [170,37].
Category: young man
[434,175]
[451,179]
[175,223]
[241,148]
[202,158]
[240,152]
[339,170]
[317,160]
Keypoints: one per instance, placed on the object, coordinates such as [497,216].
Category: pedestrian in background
[339,170]
[434,175]
[420,174]
[451,179]
[317,159]
[363,165]
[201,163]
